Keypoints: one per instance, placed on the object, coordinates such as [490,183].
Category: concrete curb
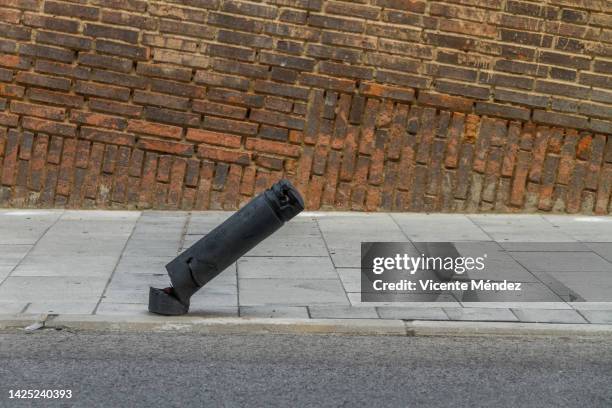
[378,327]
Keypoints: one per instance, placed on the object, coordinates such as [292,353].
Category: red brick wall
[403,105]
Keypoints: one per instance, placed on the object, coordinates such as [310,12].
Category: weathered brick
[276,118]
[269,146]
[41,111]
[171,117]
[98,120]
[45,126]
[114,107]
[104,31]
[214,138]
[128,19]
[103,91]
[183,149]
[230,156]
[106,62]
[107,136]
[219,109]
[44,81]
[122,50]
[71,10]
[242,127]
[64,40]
[186,29]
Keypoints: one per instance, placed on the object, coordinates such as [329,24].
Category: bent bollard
[208,257]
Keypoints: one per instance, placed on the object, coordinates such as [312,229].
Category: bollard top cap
[286,199]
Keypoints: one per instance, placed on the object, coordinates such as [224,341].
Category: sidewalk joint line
[33,246]
[110,278]
[316,221]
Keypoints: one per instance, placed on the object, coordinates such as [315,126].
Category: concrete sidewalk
[102,263]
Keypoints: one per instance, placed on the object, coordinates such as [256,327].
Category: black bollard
[208,257]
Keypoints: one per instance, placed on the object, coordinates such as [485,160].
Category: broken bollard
[208,257]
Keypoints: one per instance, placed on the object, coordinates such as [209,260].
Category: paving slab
[582,228]
[562,261]
[291,292]
[481,314]
[344,232]
[412,313]
[597,316]
[52,289]
[61,307]
[286,267]
[439,227]
[548,316]
[25,227]
[293,312]
[342,312]
[519,228]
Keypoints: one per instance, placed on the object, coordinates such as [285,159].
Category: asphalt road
[181,370]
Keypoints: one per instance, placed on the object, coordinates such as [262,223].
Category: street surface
[185,370]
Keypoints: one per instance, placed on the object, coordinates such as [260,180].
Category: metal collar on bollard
[237,235]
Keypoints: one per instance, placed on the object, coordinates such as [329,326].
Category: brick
[163,71]
[214,138]
[40,111]
[129,20]
[104,31]
[230,156]
[177,88]
[44,81]
[222,124]
[174,57]
[299,63]
[119,79]
[245,39]
[107,136]
[596,80]
[335,69]
[106,62]
[522,98]
[45,126]
[226,81]
[336,53]
[277,119]
[114,107]
[239,98]
[98,120]
[446,101]
[505,111]
[571,61]
[471,91]
[219,109]
[171,117]
[64,40]
[155,129]
[182,149]
[166,41]
[104,91]
[226,51]
[49,67]
[71,10]
[336,23]
[278,104]
[229,21]
[180,13]
[325,82]
[43,51]
[162,100]
[122,50]
[281,90]
[559,119]
[239,68]
[186,29]
[8,119]
[55,98]
[273,133]
[269,146]
[51,23]
[15,32]
[249,9]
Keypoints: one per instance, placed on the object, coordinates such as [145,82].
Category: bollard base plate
[164,303]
